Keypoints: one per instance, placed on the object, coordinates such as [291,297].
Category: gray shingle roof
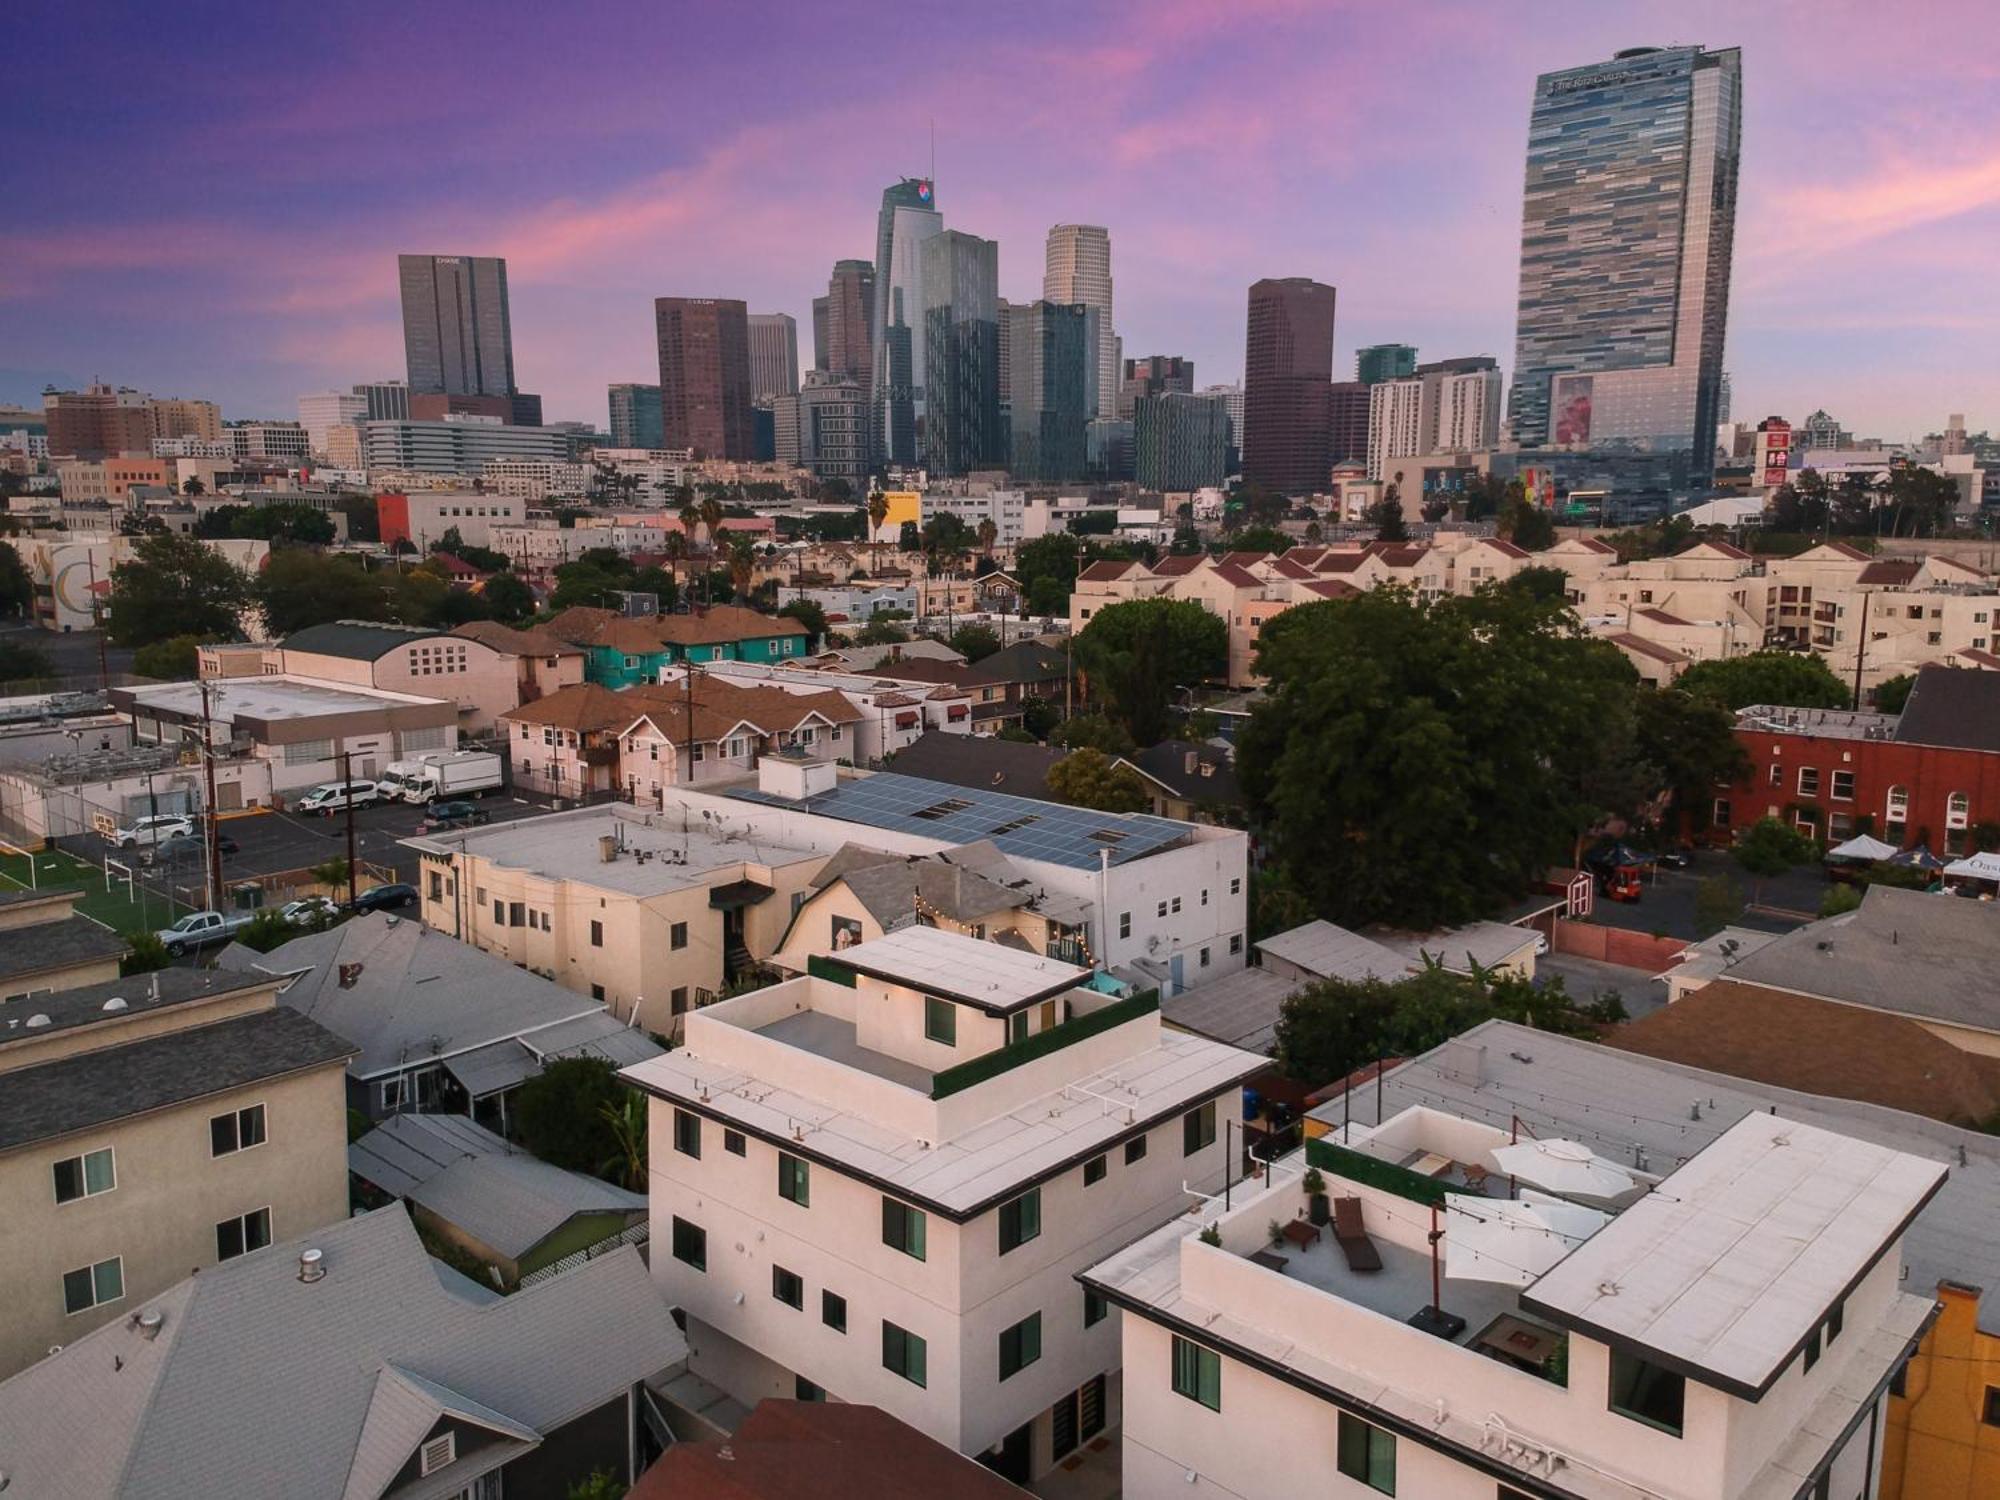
[468,1176]
[1332,952]
[978,760]
[357,640]
[1241,1009]
[86,1004]
[502,1065]
[1952,707]
[257,1383]
[55,945]
[1166,763]
[419,994]
[93,1088]
[1906,952]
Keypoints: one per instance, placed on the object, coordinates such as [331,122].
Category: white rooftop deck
[953,966]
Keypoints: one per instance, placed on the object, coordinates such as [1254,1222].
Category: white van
[330,797]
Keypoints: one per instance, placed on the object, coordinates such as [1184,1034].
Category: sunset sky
[208,199]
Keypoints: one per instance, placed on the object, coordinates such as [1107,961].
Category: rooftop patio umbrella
[1492,1239]
[1862,847]
[1567,1167]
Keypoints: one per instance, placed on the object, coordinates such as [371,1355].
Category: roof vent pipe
[312,1265]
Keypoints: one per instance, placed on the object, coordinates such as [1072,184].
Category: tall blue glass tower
[1627,226]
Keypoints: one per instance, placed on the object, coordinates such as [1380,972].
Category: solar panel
[1023,826]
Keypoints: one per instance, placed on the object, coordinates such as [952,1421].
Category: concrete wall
[170,1195]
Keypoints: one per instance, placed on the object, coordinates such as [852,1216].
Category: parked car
[186,846]
[151,829]
[202,929]
[455,814]
[330,797]
[397,897]
[311,910]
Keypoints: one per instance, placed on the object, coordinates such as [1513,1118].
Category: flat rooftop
[1817,723]
[1023,827]
[118,999]
[659,852]
[830,1037]
[991,976]
[965,1175]
[268,698]
[1726,1269]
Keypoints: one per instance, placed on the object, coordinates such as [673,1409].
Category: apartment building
[623,650]
[483,681]
[1726,1329]
[876,1183]
[149,1127]
[887,715]
[423,517]
[651,916]
[47,944]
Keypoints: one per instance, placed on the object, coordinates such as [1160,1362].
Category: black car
[386,898]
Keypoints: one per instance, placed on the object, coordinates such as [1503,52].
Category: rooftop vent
[312,1265]
[148,1324]
[116,1002]
[39,1018]
[350,975]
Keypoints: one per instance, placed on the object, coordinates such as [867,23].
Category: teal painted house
[620,651]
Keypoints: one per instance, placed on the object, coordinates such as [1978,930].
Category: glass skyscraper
[1627,225]
[1379,362]
[961,292]
[1049,411]
[457,337]
[908,217]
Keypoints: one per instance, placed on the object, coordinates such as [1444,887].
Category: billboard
[1774,443]
[1569,409]
[1539,484]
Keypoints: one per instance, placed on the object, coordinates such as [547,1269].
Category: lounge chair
[1352,1238]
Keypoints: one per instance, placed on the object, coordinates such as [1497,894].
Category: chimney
[350,974]
[1191,760]
[607,848]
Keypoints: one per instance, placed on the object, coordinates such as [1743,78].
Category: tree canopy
[174,660]
[173,585]
[1419,762]
[1092,730]
[299,588]
[298,525]
[507,598]
[1046,569]
[1793,679]
[1090,778]
[17,589]
[1892,693]
[810,614]
[975,642]
[1136,653]
[560,1113]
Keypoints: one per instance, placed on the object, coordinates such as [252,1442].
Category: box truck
[442,773]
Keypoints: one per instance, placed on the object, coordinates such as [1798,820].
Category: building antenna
[934,152]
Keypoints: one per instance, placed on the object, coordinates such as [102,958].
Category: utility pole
[213,844]
[97,624]
[347,789]
[1861,650]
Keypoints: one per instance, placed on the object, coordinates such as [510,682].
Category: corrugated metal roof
[358,640]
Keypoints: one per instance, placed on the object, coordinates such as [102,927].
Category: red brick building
[1929,776]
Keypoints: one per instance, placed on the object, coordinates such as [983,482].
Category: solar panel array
[1019,826]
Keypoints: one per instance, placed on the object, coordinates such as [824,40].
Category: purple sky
[207,198]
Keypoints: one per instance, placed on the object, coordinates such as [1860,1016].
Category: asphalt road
[74,655]
[1666,906]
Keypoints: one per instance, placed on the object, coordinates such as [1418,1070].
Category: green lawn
[119,909]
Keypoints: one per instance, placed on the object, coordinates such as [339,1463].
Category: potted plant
[1211,1236]
[1276,1231]
[1319,1210]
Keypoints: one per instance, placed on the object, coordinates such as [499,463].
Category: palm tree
[690,515]
[711,519]
[878,512]
[742,566]
[988,535]
[675,546]
[626,1165]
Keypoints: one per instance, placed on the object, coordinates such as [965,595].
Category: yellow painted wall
[1937,1447]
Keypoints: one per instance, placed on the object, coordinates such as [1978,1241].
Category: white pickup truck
[202,929]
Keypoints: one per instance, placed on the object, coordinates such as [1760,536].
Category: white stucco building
[877,1183]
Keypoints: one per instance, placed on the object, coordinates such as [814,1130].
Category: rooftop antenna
[933,153]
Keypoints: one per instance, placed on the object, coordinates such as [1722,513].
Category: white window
[238,1130]
[1898,809]
[93,1286]
[85,1176]
[242,1234]
[1957,810]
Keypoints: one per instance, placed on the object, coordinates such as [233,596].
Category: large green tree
[173,585]
[809,613]
[299,588]
[1690,745]
[1046,569]
[1793,679]
[1419,762]
[510,600]
[1136,654]
[298,524]
[17,589]
[174,660]
[560,1113]
[1089,778]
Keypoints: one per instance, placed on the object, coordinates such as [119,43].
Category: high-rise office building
[98,423]
[388,400]
[1347,421]
[1180,441]
[180,417]
[961,299]
[820,305]
[1287,375]
[1627,228]
[1384,362]
[325,409]
[1151,376]
[1450,406]
[457,337]
[1077,268]
[832,428]
[774,356]
[705,375]
[1231,397]
[908,217]
[635,416]
[850,317]
[1048,363]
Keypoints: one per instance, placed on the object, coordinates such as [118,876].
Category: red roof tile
[1178,565]
[1104,572]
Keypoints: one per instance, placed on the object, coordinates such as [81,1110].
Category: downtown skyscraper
[907,218]
[1287,385]
[774,356]
[1048,373]
[458,339]
[961,292]
[705,375]
[1077,269]
[1628,224]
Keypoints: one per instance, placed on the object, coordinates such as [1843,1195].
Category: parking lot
[1666,902]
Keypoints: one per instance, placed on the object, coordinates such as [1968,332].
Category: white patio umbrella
[1493,1239]
[1567,1167]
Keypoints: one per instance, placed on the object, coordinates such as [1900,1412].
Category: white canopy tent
[1862,847]
[1974,867]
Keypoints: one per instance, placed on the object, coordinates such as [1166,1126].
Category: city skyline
[1860,257]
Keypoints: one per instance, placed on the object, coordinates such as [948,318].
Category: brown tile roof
[1845,550]
[1890,574]
[537,640]
[1178,565]
[1332,588]
[1104,572]
[1306,556]
[1598,544]
[1284,567]
[580,623]
[1819,1047]
[1401,555]
[583,707]
[1721,549]
[1504,548]
[919,669]
[830,1450]
[1243,559]
[1238,576]
[718,707]
[724,622]
[1645,647]
[1986,660]
[1341,562]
